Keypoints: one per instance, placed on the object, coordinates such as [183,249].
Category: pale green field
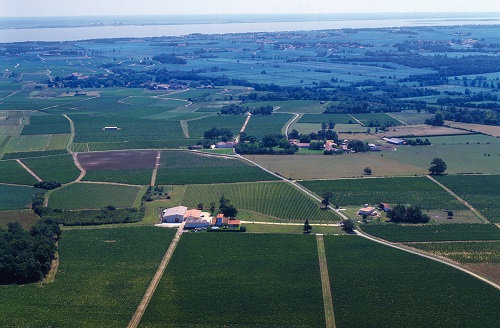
[28,143]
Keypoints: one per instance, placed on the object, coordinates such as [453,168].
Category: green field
[259,126]
[278,199]
[464,252]
[16,197]
[377,286]
[256,280]
[292,106]
[377,119]
[181,167]
[28,143]
[47,124]
[13,172]
[481,191]
[137,177]
[26,218]
[91,287]
[60,141]
[415,191]
[27,154]
[59,168]
[197,127]
[320,118]
[93,196]
[441,232]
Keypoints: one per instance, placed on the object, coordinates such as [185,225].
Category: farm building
[110,128]
[173,214]
[196,224]
[229,144]
[221,221]
[395,141]
[296,142]
[192,215]
[385,207]
[367,211]
[374,147]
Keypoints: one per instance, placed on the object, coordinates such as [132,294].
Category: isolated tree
[230,211]
[348,225]
[325,202]
[200,206]
[331,125]
[438,166]
[367,170]
[212,207]
[307,226]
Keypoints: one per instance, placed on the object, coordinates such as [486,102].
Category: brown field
[27,218]
[491,130]
[489,270]
[420,130]
[304,167]
[118,160]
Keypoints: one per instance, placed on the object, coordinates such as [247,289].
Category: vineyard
[377,119]
[320,118]
[416,191]
[16,197]
[482,192]
[93,196]
[91,286]
[464,252]
[259,126]
[458,232]
[231,122]
[260,280]
[377,286]
[47,124]
[60,168]
[278,199]
[12,172]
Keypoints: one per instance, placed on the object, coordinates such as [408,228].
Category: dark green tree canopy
[438,166]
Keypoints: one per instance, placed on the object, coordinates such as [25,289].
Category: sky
[32,8]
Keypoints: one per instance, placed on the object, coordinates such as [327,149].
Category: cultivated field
[481,191]
[93,196]
[118,160]
[420,130]
[26,217]
[276,283]
[59,167]
[418,191]
[13,172]
[491,130]
[375,280]
[415,233]
[320,118]
[47,124]
[91,288]
[132,176]
[16,197]
[259,126]
[278,199]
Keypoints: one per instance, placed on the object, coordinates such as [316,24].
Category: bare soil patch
[489,270]
[118,160]
[420,130]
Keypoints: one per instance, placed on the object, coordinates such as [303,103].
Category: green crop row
[278,199]
[378,286]
[259,126]
[47,124]
[416,191]
[12,172]
[26,154]
[402,233]
[93,196]
[137,177]
[481,191]
[59,168]
[247,280]
[91,287]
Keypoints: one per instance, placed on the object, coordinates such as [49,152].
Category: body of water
[148,29]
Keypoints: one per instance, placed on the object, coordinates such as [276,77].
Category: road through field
[29,170]
[325,283]
[72,127]
[141,308]
[79,166]
[155,170]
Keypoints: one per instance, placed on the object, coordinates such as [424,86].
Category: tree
[438,166]
[407,214]
[327,195]
[307,226]
[230,211]
[200,206]
[212,207]
[348,225]
[367,170]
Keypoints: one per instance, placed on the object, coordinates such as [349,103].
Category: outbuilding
[173,214]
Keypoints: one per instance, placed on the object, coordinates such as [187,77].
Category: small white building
[367,211]
[194,224]
[173,214]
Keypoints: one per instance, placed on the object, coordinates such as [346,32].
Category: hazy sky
[21,8]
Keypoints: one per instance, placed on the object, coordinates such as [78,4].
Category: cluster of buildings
[372,211]
[196,219]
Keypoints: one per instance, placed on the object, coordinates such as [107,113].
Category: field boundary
[29,170]
[325,283]
[72,134]
[289,124]
[141,308]
[79,166]
[460,199]
[155,170]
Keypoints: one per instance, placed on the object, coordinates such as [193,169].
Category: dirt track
[325,283]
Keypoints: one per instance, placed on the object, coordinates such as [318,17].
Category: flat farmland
[12,172]
[376,119]
[420,130]
[26,218]
[129,176]
[464,252]
[275,284]
[28,143]
[232,122]
[380,286]
[16,197]
[438,232]
[47,124]
[350,128]
[481,191]
[91,288]
[292,106]
[334,167]
[412,117]
[491,130]
[462,154]
[93,196]
[320,118]
[58,167]
[259,126]
[418,191]
[270,198]
[182,167]
[118,160]
[59,141]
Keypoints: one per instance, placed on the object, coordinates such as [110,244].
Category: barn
[173,214]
